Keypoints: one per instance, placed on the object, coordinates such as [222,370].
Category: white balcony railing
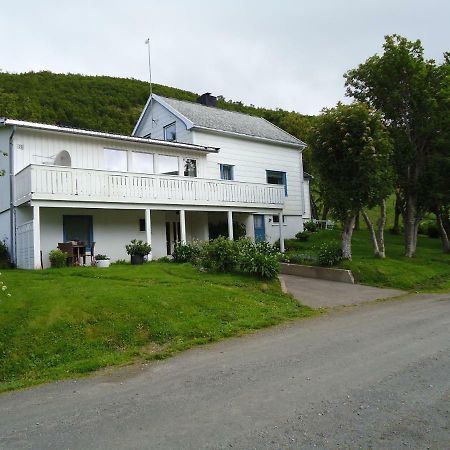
[41,182]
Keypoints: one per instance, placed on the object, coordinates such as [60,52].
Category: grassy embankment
[61,323]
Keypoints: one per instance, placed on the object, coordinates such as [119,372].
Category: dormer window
[170,132]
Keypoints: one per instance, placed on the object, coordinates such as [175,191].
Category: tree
[404,87]
[351,150]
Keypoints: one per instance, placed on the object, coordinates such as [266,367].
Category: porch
[41,227]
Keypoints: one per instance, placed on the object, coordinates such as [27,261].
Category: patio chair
[67,248]
[90,249]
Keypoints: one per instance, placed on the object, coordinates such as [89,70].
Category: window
[275,177]
[115,160]
[276,218]
[141,224]
[168,165]
[142,162]
[190,167]
[226,172]
[170,132]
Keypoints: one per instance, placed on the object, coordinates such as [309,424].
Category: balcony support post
[280,225]
[148,230]
[230,225]
[183,226]
[36,237]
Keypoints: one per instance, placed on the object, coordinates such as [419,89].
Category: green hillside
[106,103]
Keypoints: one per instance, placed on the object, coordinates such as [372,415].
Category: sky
[286,53]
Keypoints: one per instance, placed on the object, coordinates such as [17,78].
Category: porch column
[148,230]
[36,237]
[183,226]
[280,226]
[230,225]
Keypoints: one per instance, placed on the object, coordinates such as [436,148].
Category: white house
[188,168]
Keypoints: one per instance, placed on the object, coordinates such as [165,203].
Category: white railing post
[148,230]
[183,226]
[36,237]
[280,224]
[230,225]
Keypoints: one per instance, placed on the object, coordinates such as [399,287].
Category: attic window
[170,132]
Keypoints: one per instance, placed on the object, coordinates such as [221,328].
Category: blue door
[260,228]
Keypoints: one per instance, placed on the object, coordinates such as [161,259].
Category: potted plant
[102,261]
[138,250]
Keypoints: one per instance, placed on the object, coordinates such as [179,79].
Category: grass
[62,323]
[429,271]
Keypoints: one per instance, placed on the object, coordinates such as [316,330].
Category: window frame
[184,167]
[284,178]
[222,172]
[165,132]
[158,165]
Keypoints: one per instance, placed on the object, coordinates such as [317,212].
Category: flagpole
[149,65]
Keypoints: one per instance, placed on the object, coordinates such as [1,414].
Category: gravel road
[371,376]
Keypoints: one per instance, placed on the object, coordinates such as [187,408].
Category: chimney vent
[207,99]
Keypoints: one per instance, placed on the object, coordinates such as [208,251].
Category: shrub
[301,258]
[4,255]
[188,252]
[310,226]
[138,248]
[329,254]
[302,236]
[260,259]
[58,258]
[432,230]
[101,257]
[219,255]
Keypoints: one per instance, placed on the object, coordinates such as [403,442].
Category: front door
[78,228]
[260,228]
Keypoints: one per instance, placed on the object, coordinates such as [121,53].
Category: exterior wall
[5,229]
[5,133]
[291,226]
[161,118]
[251,159]
[41,147]
[113,229]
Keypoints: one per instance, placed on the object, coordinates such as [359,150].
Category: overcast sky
[286,53]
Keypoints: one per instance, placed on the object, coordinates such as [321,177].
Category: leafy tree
[352,150]
[404,86]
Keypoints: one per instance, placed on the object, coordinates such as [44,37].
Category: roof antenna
[147,42]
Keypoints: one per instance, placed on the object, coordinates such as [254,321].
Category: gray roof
[229,121]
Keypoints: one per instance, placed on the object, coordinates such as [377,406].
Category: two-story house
[186,168]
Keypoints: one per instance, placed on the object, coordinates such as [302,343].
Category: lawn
[428,271]
[61,323]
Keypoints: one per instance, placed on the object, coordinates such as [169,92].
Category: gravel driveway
[371,376]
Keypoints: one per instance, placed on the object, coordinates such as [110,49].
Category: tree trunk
[347,237]
[380,231]
[398,212]
[411,224]
[325,212]
[356,223]
[314,211]
[376,250]
[442,233]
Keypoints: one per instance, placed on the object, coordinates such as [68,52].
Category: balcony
[42,182]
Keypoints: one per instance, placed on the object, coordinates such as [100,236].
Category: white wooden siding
[24,239]
[161,118]
[251,160]
[5,133]
[41,147]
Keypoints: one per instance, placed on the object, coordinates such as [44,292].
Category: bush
[329,254]
[219,255]
[58,258]
[101,258]
[302,236]
[432,230]
[138,248]
[310,226]
[301,258]
[260,259]
[188,252]
[4,255]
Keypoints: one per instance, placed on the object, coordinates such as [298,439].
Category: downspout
[12,196]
